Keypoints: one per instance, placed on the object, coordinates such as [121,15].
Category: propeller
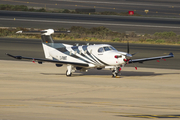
[129,56]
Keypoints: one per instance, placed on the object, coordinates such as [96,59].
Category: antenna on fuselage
[77,44]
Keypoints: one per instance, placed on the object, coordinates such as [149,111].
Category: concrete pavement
[32,91]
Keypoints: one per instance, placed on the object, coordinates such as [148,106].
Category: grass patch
[160,41]
[116,39]
[165,34]
[13,7]
[149,40]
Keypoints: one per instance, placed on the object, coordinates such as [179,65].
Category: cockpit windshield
[112,48]
[106,48]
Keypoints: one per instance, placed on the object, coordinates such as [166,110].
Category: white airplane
[83,57]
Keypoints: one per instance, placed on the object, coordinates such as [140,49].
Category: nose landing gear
[116,72]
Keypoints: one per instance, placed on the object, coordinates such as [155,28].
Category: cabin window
[63,49]
[75,48]
[100,49]
[84,47]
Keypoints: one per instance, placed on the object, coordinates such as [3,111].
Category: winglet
[171,54]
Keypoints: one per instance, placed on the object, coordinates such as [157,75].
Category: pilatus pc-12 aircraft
[84,57]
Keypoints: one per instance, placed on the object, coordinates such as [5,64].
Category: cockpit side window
[107,48]
[101,50]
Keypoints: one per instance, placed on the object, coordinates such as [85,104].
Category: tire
[69,74]
[114,74]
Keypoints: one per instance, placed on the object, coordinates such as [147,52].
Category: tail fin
[46,36]
[47,41]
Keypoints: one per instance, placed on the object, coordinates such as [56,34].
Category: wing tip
[8,54]
[16,57]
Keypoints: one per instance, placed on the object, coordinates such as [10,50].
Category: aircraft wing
[151,58]
[47,60]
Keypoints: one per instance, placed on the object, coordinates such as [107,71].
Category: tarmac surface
[31,91]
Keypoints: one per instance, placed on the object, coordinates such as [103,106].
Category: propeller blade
[128,47]
[134,53]
[136,68]
[134,65]
[33,61]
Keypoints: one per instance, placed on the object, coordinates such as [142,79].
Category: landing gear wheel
[68,75]
[114,74]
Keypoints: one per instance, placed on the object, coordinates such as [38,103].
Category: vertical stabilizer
[47,50]
[47,42]
[46,36]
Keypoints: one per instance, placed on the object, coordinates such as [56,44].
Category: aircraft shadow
[127,73]
[107,72]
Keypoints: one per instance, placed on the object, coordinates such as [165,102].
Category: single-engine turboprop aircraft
[85,56]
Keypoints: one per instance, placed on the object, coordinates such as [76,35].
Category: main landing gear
[68,74]
[116,72]
[69,70]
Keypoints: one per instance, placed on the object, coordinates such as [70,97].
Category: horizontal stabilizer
[43,32]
